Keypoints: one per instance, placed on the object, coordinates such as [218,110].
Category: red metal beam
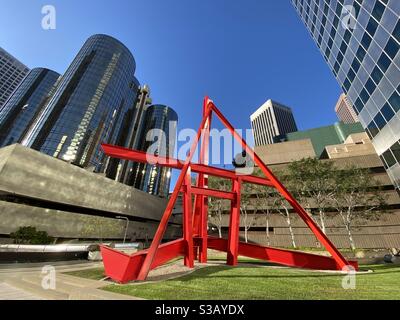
[280,256]
[214,193]
[234,225]
[123,267]
[187,221]
[143,157]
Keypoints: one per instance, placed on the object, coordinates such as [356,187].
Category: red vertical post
[234,225]
[187,221]
[201,210]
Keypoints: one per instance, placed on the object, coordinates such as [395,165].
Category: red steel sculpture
[193,245]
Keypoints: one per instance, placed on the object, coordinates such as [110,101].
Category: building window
[378,10]
[394,101]
[387,112]
[392,48]
[396,151]
[379,120]
[359,105]
[389,158]
[360,53]
[372,26]
[366,41]
[376,75]
[370,86]
[384,62]
[396,31]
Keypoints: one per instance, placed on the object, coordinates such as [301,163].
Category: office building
[157,137]
[25,104]
[344,110]
[89,106]
[323,136]
[356,151]
[11,74]
[125,173]
[360,41]
[270,120]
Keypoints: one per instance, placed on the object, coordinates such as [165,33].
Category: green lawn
[257,282]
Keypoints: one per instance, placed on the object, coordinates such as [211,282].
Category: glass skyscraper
[157,137]
[23,106]
[90,106]
[125,171]
[360,41]
[12,72]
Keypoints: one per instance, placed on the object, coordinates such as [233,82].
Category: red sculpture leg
[288,258]
[234,225]
[187,221]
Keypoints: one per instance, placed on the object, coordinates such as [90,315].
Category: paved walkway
[8,292]
[24,282]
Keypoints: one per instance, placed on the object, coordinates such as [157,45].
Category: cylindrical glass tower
[158,137]
[89,105]
[25,103]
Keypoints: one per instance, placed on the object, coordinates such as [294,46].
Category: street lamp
[127,225]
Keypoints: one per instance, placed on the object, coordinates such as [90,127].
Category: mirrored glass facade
[90,106]
[360,41]
[126,167]
[157,137]
[25,104]
[12,72]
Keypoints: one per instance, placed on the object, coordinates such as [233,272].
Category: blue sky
[240,53]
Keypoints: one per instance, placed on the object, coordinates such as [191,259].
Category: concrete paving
[8,292]
[24,282]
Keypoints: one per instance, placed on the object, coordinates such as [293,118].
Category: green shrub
[29,235]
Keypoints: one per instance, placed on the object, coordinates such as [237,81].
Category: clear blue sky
[240,53]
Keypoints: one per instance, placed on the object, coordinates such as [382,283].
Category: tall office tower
[272,119]
[157,137]
[360,42]
[344,110]
[25,104]
[114,166]
[126,174]
[11,74]
[89,106]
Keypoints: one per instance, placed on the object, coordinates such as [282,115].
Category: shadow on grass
[215,272]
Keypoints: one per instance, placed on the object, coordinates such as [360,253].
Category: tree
[283,208]
[29,235]
[265,204]
[313,180]
[246,208]
[357,198]
[270,201]
[217,206]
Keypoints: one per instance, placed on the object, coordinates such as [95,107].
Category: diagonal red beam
[143,157]
[342,262]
